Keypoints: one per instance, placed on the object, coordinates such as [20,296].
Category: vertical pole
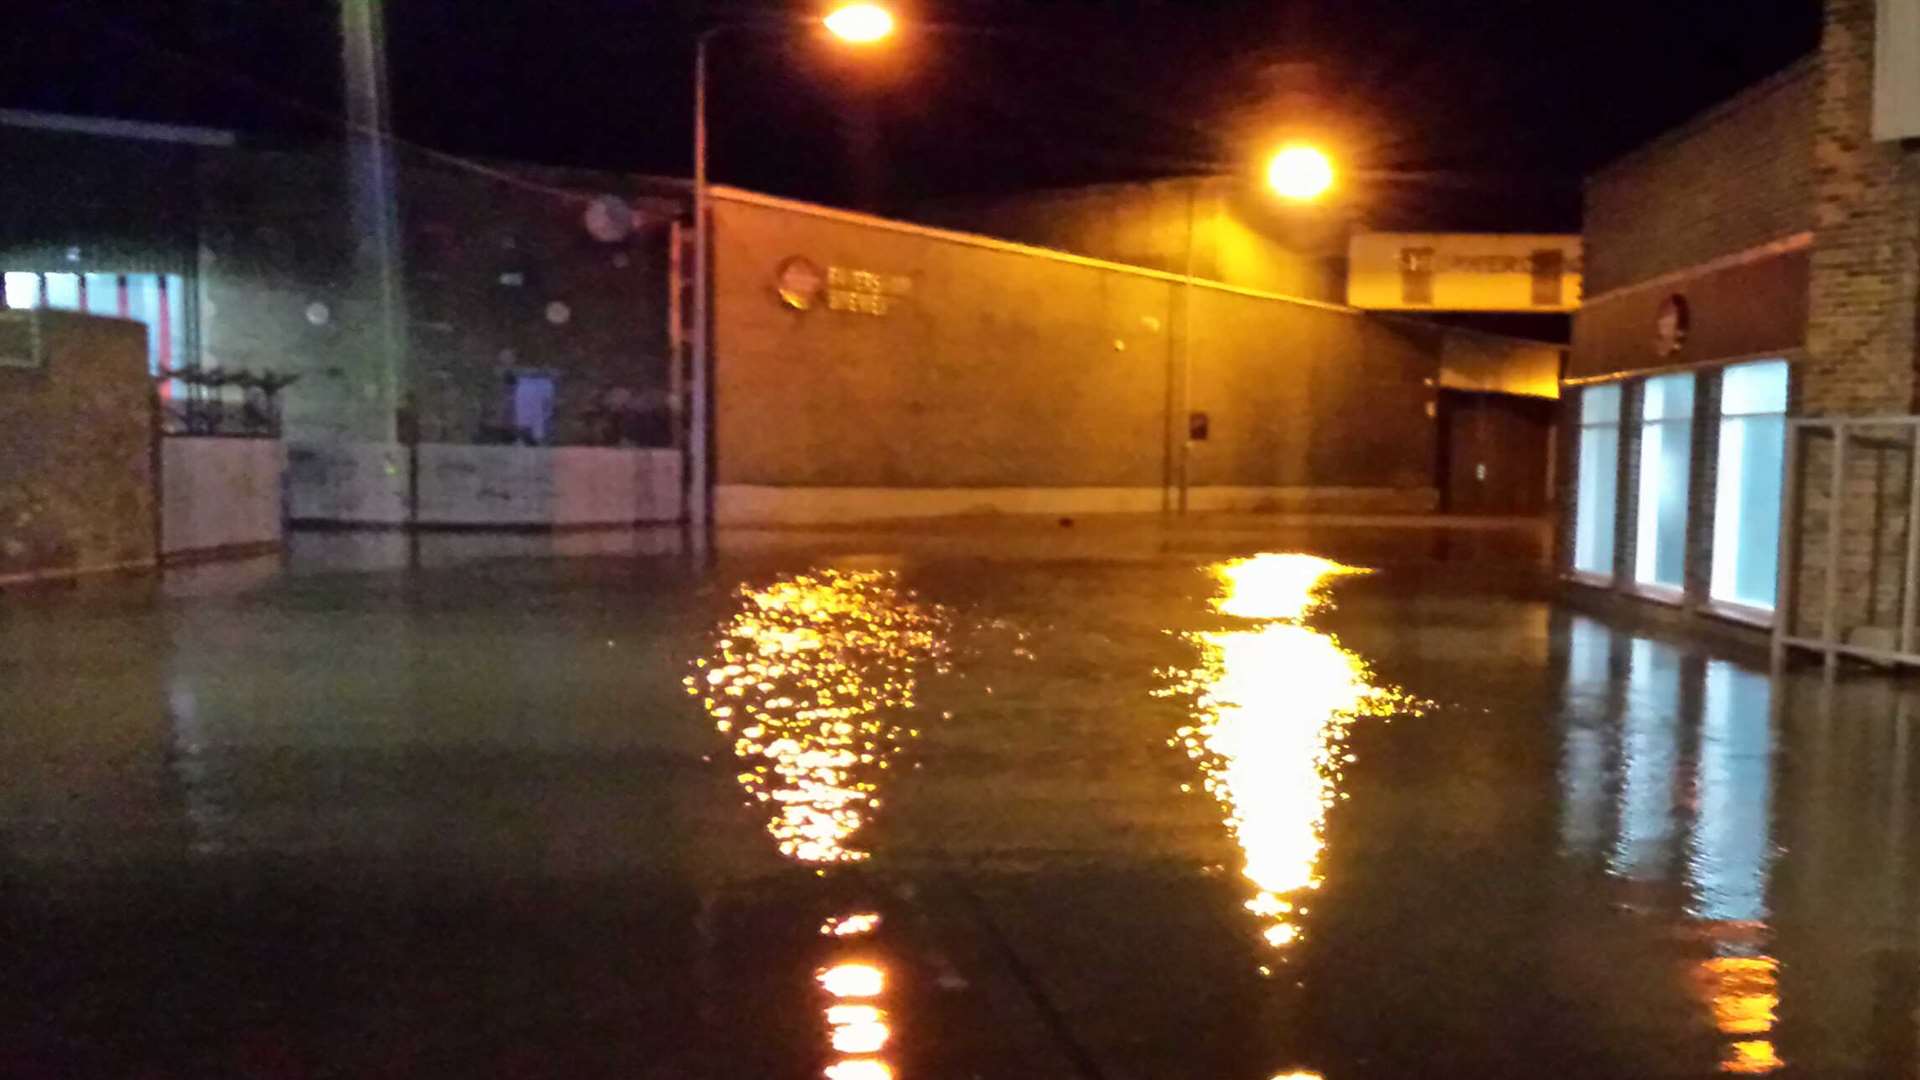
[1786,562]
[677,336]
[1830,622]
[1907,597]
[700,422]
[1184,415]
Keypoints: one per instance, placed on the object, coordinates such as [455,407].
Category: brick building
[1753,268]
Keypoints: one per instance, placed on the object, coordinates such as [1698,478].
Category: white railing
[1850,517]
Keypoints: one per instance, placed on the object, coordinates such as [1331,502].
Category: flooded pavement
[1354,802]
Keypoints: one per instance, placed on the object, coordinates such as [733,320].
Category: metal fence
[211,401]
[1850,539]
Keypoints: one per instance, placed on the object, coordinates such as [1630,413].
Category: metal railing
[201,401]
[1850,517]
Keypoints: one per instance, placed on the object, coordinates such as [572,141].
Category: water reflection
[1271,708]
[809,677]
[1686,748]
[857,1022]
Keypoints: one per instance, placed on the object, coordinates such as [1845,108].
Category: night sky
[1497,106]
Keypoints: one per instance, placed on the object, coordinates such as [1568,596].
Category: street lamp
[1299,172]
[860,24]
[855,23]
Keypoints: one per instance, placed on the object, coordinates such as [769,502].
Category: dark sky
[1498,105]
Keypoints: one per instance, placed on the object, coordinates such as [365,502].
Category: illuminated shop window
[1599,457]
[62,291]
[1746,505]
[1666,450]
[23,289]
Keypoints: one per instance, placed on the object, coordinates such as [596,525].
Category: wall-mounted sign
[801,285]
[1670,326]
[865,292]
[1464,271]
[797,281]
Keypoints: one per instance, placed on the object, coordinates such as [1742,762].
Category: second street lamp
[1297,172]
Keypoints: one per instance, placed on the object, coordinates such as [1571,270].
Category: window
[1666,450]
[1746,505]
[533,407]
[23,289]
[102,294]
[1599,461]
[62,291]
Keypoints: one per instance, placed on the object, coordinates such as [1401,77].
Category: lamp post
[855,23]
[1297,173]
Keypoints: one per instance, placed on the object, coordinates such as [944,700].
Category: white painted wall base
[745,504]
[347,483]
[219,494]
[483,486]
[566,486]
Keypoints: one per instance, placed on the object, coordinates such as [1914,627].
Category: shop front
[1685,359]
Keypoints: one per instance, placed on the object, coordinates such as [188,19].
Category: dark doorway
[1495,452]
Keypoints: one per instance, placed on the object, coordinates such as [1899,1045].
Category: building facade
[869,368]
[1753,285]
[1697,257]
[521,316]
[861,367]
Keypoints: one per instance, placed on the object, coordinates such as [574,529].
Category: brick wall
[1861,334]
[1733,178]
[76,445]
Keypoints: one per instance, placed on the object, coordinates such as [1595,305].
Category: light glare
[1300,172]
[853,980]
[860,24]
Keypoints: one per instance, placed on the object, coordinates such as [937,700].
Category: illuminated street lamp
[1296,172]
[854,23]
[1299,172]
[860,24]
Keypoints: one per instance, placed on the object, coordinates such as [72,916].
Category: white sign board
[1464,271]
[1896,71]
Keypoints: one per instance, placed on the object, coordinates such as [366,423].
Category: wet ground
[1022,802]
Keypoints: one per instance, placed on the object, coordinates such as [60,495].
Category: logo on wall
[1671,325]
[799,283]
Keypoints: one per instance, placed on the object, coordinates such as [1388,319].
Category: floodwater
[1246,803]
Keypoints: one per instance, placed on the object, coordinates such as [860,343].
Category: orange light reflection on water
[808,677]
[1271,709]
[1744,995]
